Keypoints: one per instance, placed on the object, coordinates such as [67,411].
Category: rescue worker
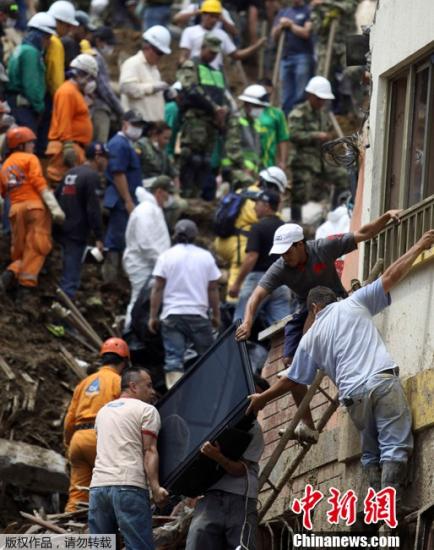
[31,203]
[140,80]
[89,397]
[71,126]
[204,109]
[243,138]
[26,71]
[309,127]
[152,150]
[124,176]
[232,249]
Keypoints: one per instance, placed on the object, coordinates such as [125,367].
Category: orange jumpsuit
[23,181]
[70,121]
[89,396]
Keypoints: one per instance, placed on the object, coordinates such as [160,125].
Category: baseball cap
[162,182]
[187,228]
[212,42]
[270,197]
[285,236]
[96,148]
[134,117]
[105,34]
[84,20]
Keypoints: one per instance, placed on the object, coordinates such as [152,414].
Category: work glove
[53,206]
[304,434]
[69,154]
[160,86]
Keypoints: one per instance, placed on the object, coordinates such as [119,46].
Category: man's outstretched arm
[370,230]
[400,268]
[255,300]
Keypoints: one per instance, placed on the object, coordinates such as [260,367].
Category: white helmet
[159,37]
[98,6]
[321,87]
[275,176]
[63,11]
[256,94]
[44,22]
[86,63]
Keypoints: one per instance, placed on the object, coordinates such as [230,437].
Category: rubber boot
[110,268]
[172,377]
[394,474]
[8,281]
[373,476]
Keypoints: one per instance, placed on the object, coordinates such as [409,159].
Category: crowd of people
[90,161]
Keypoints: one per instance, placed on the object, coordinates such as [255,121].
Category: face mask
[89,87]
[107,50]
[133,133]
[256,112]
[169,202]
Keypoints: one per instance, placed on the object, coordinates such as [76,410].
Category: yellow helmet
[211,6]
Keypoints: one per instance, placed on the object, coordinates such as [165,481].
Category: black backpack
[227,213]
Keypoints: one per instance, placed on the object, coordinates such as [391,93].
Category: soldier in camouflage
[309,127]
[152,151]
[204,109]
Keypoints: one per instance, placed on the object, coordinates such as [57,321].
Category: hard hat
[211,6]
[276,176]
[44,22]
[116,345]
[63,11]
[320,86]
[98,6]
[18,136]
[86,63]
[255,94]
[159,37]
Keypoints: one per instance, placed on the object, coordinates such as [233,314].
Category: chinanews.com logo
[379,507]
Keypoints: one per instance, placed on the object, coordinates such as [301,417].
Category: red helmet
[116,345]
[19,136]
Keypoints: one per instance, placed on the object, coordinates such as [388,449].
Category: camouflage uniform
[203,92]
[322,15]
[154,161]
[311,175]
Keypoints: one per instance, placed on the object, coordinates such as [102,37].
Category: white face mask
[90,87]
[133,132]
[107,50]
[256,112]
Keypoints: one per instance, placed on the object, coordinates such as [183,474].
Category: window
[410,162]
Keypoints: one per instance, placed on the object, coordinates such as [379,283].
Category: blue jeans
[122,507]
[274,308]
[72,252]
[6,224]
[156,15]
[177,331]
[381,413]
[295,72]
[116,227]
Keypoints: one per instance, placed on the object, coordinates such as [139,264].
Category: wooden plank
[44,523]
[7,371]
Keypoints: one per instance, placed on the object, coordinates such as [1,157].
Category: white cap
[62,10]
[159,37]
[321,87]
[255,94]
[44,22]
[285,236]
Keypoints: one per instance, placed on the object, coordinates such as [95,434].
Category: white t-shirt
[188,270]
[119,450]
[192,38]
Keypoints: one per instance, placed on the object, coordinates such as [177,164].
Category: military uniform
[154,161]
[322,16]
[203,93]
[311,176]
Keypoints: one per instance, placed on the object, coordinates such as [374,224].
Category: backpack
[227,213]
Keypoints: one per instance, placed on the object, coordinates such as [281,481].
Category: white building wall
[402,32]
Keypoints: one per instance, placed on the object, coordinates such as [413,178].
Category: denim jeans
[72,252]
[274,308]
[6,224]
[295,72]
[156,15]
[381,413]
[117,224]
[177,331]
[122,507]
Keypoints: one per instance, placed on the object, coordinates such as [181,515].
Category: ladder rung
[271,484]
[331,399]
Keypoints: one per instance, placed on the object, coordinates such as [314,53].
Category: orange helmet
[116,345]
[18,136]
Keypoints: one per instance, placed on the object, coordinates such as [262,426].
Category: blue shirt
[294,44]
[344,342]
[123,158]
